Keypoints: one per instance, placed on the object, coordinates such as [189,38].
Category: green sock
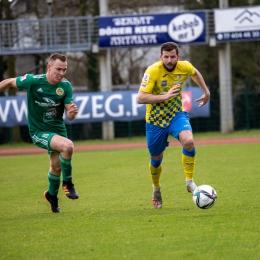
[66,168]
[54,184]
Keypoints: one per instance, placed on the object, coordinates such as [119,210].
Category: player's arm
[71,110]
[198,79]
[147,98]
[8,83]
[145,95]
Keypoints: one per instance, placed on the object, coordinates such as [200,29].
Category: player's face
[56,71]
[169,59]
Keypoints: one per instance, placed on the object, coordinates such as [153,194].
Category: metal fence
[28,36]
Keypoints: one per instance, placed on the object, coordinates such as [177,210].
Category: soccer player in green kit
[161,90]
[48,95]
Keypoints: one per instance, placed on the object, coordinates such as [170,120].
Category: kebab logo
[185,27]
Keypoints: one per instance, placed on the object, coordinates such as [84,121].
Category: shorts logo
[164,83]
[59,91]
[143,86]
[146,77]
[23,77]
[45,135]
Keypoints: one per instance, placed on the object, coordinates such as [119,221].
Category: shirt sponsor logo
[50,114]
[48,100]
[49,103]
[23,77]
[59,91]
[146,77]
[164,83]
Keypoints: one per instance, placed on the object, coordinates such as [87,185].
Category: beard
[169,69]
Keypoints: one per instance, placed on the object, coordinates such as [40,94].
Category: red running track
[37,150]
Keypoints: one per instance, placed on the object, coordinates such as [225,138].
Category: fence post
[247,106]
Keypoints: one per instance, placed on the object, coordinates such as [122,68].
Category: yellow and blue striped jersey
[157,81]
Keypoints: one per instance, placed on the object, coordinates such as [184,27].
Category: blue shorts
[156,136]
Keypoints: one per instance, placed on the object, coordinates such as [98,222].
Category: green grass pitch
[114,217]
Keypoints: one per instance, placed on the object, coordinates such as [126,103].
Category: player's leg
[42,140]
[54,174]
[65,148]
[180,128]
[157,141]
[155,171]
[54,182]
[155,168]
[188,158]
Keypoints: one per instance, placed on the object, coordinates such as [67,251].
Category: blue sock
[189,153]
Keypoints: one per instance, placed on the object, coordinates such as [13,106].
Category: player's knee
[68,147]
[188,144]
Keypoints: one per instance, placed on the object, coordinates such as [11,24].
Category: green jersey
[45,102]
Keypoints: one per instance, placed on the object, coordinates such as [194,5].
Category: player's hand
[204,100]
[174,91]
[72,109]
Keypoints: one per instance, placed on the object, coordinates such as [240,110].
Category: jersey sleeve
[24,81]
[149,80]
[189,67]
[69,94]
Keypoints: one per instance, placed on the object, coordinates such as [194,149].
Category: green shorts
[43,139]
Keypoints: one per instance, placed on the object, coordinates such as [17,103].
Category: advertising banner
[99,107]
[151,29]
[237,24]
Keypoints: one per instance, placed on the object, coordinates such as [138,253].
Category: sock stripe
[39,140]
[189,153]
[65,161]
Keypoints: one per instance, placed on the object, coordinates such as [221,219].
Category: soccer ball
[204,196]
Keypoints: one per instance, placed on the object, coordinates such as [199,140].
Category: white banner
[236,24]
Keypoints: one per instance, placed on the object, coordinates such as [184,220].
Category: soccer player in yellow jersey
[161,90]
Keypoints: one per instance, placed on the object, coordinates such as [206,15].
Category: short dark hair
[169,46]
[57,56]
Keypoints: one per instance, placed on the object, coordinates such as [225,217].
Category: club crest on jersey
[164,83]
[59,91]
